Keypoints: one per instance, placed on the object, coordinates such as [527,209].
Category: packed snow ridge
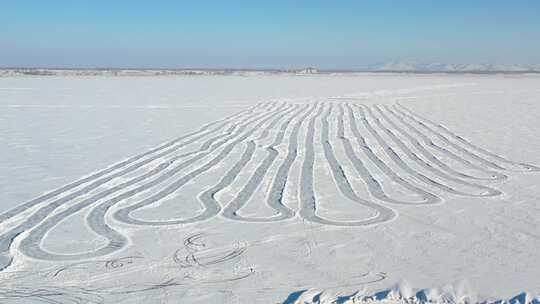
[404,294]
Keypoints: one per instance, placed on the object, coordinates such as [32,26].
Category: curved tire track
[308,200]
[124,214]
[486,191]
[401,163]
[493,175]
[115,240]
[429,198]
[40,199]
[273,201]
[373,184]
[419,147]
[99,195]
[424,121]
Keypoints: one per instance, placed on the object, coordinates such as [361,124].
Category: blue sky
[265,34]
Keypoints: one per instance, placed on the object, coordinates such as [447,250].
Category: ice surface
[269,189]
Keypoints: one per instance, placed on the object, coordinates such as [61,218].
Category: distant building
[308,70]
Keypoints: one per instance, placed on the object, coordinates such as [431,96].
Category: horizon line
[270,70]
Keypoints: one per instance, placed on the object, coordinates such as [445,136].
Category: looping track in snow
[268,155]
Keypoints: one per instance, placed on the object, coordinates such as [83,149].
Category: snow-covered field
[270,189]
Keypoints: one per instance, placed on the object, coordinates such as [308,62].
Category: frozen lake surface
[269,189]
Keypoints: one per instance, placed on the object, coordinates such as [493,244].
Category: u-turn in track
[380,145]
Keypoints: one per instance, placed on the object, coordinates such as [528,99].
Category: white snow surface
[270,189]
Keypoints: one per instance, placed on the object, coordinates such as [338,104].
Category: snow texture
[270,189]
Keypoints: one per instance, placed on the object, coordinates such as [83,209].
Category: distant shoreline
[15,72]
